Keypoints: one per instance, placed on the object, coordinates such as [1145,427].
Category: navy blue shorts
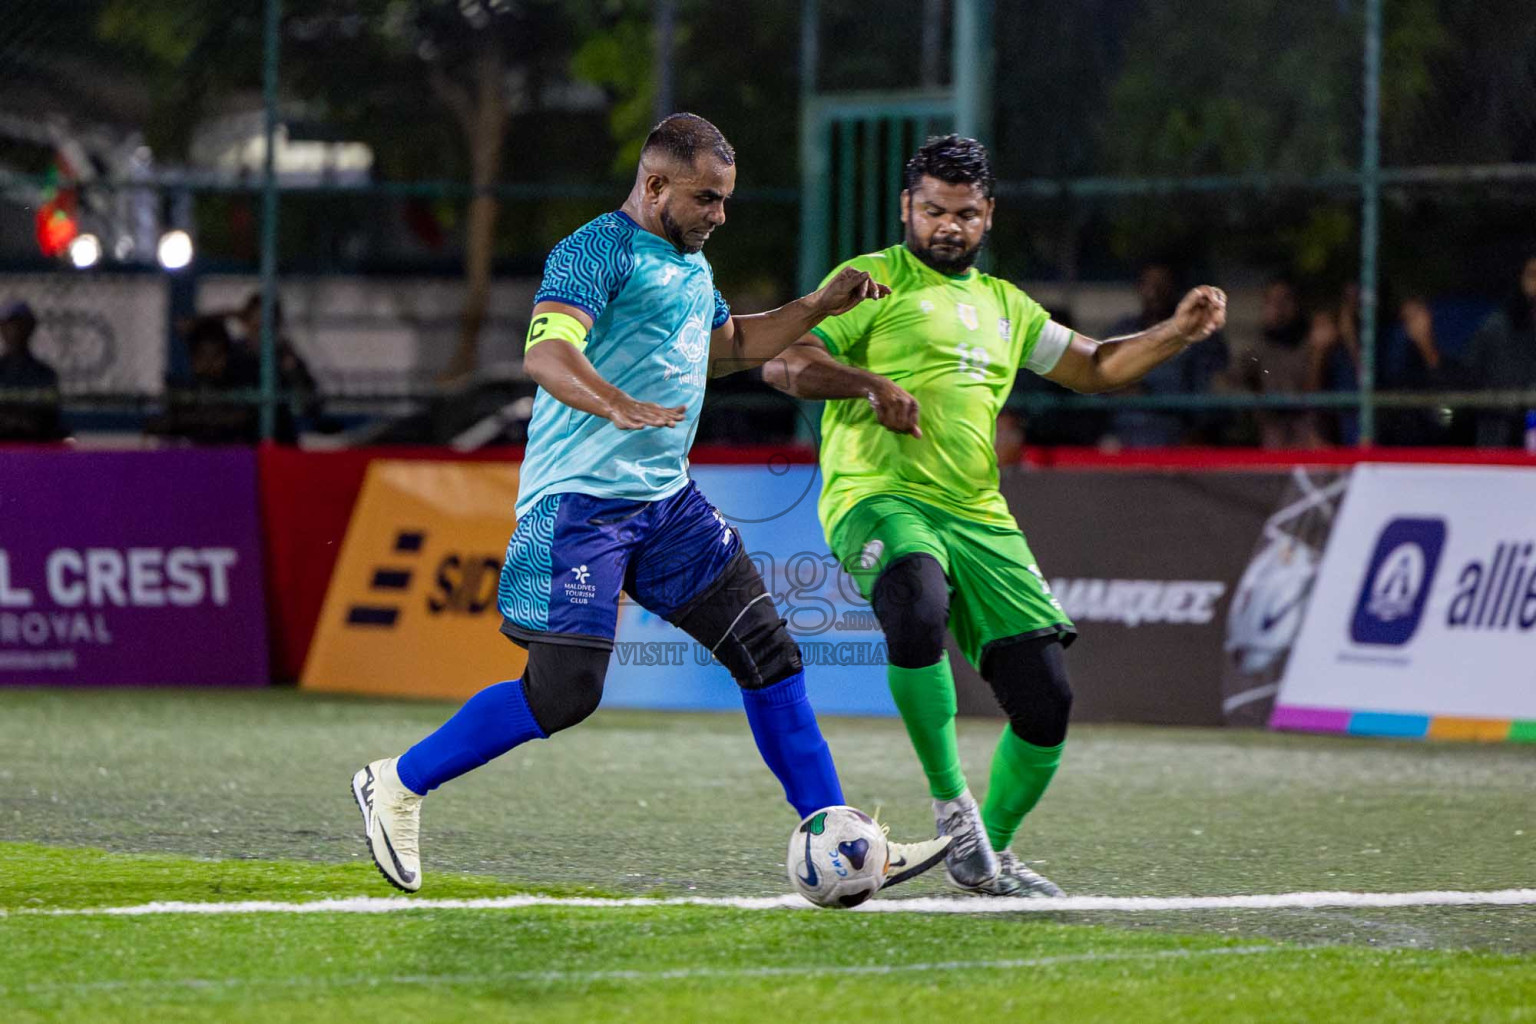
[572,554]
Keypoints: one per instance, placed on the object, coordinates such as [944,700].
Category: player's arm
[743,342]
[554,359]
[1089,366]
[807,370]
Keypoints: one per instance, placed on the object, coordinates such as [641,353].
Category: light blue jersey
[652,310]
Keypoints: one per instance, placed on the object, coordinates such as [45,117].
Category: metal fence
[356,156]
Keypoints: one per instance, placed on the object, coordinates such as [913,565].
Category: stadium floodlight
[85,251]
[174,250]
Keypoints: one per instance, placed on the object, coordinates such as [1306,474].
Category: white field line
[923,905]
[665,974]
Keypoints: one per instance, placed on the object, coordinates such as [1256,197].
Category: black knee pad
[563,683]
[911,600]
[1029,677]
[737,620]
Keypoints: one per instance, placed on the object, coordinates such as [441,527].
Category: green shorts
[996,590]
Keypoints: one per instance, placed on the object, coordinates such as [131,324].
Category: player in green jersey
[910,502]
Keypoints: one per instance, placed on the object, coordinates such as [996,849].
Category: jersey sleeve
[842,333]
[722,311]
[589,267]
[1043,339]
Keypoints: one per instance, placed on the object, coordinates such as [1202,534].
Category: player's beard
[676,235]
[950,265]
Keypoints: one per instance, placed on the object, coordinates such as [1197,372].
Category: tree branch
[453,96]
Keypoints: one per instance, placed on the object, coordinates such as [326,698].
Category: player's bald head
[680,141]
[687,172]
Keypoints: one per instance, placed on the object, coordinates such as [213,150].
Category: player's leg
[897,555]
[1013,629]
[899,562]
[697,576]
[559,598]
[692,570]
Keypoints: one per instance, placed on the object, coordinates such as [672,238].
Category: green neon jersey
[956,343]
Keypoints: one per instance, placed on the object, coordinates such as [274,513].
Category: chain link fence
[424,155]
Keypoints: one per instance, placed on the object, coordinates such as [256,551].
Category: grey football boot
[1035,885]
[970,862]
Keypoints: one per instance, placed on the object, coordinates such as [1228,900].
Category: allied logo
[581,573]
[968,316]
[1397,582]
[1005,328]
[925,306]
[668,273]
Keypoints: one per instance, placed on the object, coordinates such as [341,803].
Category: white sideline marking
[667,974]
[922,905]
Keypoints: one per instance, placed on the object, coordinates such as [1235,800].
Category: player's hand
[1201,313]
[849,288]
[895,408]
[628,414]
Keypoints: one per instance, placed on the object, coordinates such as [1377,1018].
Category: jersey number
[973,360]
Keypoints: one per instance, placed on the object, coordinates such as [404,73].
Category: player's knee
[737,620]
[1029,677]
[762,653]
[911,600]
[563,684]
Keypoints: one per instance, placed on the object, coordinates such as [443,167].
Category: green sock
[1020,773]
[926,699]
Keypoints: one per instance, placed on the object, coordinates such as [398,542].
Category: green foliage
[619,58]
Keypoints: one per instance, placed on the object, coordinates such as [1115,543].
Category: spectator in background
[1281,362]
[1417,364]
[243,326]
[205,416]
[22,371]
[1503,357]
[1157,286]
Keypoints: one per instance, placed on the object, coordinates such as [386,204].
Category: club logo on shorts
[968,315]
[578,590]
[869,558]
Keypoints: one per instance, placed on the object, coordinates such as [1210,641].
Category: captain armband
[556,325]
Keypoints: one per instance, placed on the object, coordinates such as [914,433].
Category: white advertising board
[1424,607]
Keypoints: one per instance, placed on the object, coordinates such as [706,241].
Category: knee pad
[735,618]
[563,683]
[1029,677]
[911,600]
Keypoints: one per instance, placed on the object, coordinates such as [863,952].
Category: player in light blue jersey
[627,327]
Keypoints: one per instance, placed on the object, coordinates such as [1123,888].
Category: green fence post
[1370,213]
[271,38]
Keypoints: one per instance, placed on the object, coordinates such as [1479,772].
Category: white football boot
[391,823]
[908,860]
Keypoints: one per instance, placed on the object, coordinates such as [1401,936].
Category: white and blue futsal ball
[837,857]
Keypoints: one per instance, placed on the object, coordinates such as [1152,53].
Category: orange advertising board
[411,607]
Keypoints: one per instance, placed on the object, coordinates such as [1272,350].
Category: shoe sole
[362,806]
[913,870]
[979,890]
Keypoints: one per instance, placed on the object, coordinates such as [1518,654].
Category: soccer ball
[837,857]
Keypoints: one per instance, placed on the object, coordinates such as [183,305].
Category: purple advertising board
[130,569]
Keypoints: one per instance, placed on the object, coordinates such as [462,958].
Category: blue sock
[790,741]
[491,723]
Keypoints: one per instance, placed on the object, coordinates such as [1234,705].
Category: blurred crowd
[1299,347]
[1302,343]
